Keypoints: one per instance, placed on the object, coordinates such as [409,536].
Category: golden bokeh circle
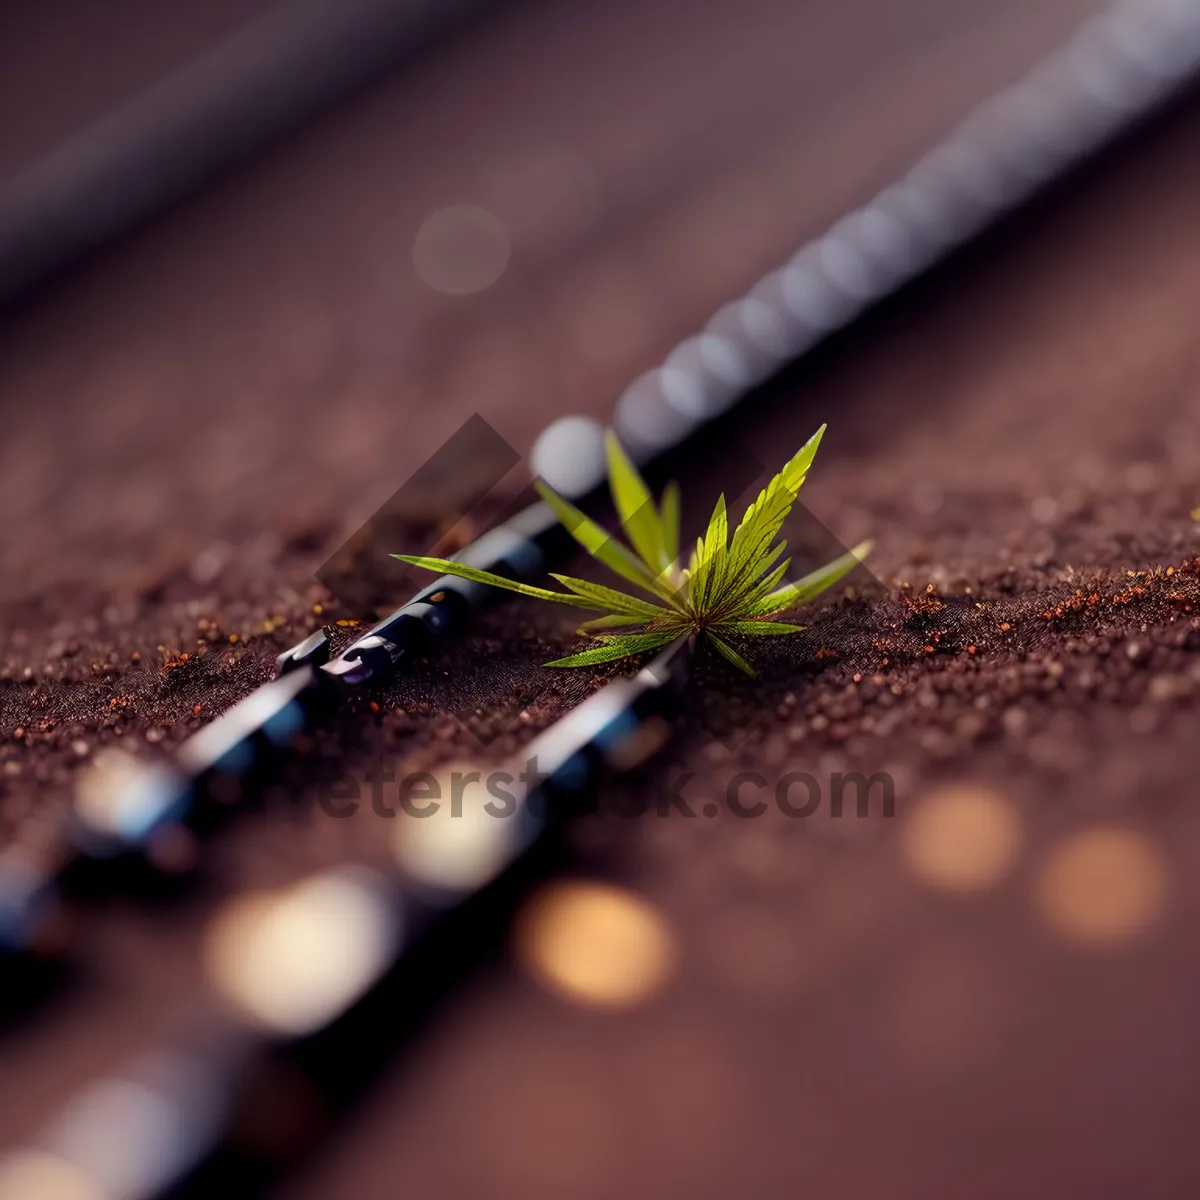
[962,838]
[595,944]
[1103,887]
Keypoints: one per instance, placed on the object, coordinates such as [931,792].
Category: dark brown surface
[63,65]
[193,425]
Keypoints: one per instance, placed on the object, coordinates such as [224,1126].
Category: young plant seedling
[730,586]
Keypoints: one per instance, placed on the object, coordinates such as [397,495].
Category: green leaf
[669,522]
[727,651]
[737,595]
[730,586]
[761,628]
[767,584]
[811,584]
[768,560]
[619,647]
[447,566]
[608,598]
[635,506]
[601,545]
[613,621]
[764,518]
[709,561]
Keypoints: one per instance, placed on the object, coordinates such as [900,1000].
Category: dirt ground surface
[195,421]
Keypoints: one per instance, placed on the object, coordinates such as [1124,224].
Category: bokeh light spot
[597,945]
[569,455]
[26,1174]
[962,838]
[461,844]
[460,249]
[1103,887]
[294,959]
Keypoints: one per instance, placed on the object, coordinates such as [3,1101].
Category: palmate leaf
[731,584]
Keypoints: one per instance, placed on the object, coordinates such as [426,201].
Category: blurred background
[259,259]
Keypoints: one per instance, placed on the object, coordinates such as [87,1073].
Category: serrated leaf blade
[603,546]
[609,598]
[764,518]
[447,566]
[710,556]
[635,505]
[618,647]
[669,523]
[761,628]
[727,651]
[812,584]
[612,621]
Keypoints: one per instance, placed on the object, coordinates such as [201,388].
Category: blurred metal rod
[254,87]
[1117,68]
[320,983]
